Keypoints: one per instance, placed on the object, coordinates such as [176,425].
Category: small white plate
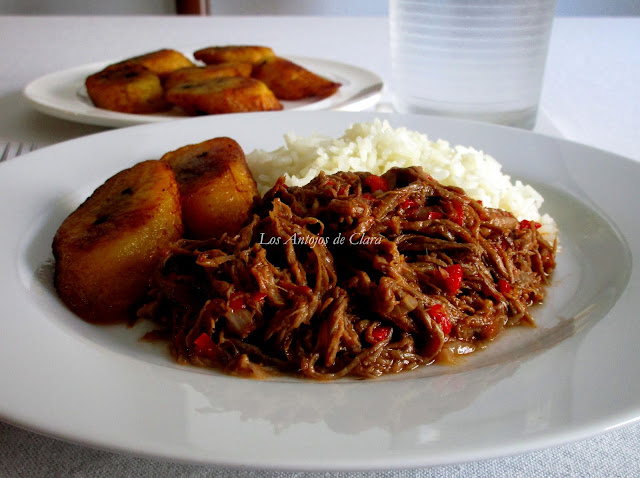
[63,95]
[571,377]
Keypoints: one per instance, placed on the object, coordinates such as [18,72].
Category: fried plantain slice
[199,73]
[162,62]
[106,249]
[217,188]
[223,95]
[233,53]
[290,81]
[127,88]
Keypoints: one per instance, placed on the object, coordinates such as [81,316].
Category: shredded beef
[351,275]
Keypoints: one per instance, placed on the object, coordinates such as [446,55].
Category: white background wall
[273,7]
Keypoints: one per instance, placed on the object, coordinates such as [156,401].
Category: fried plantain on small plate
[127,88]
[223,95]
[162,62]
[198,73]
[233,53]
[106,249]
[217,188]
[290,81]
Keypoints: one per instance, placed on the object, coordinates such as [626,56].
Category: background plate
[570,378]
[63,95]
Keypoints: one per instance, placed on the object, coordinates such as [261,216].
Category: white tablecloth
[591,95]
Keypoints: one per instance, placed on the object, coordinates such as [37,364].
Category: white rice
[376,147]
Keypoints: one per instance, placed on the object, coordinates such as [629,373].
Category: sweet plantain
[233,53]
[106,250]
[222,95]
[290,81]
[127,88]
[217,188]
[162,62]
[199,73]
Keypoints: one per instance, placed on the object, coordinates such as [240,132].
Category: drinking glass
[476,59]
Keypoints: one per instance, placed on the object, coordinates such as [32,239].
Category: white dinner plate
[573,376]
[62,94]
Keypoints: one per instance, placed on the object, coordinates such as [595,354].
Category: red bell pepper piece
[343,190]
[458,217]
[237,301]
[204,346]
[376,183]
[526,224]
[438,314]
[452,276]
[380,333]
[409,204]
[503,286]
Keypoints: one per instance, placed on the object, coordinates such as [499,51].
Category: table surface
[590,95]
